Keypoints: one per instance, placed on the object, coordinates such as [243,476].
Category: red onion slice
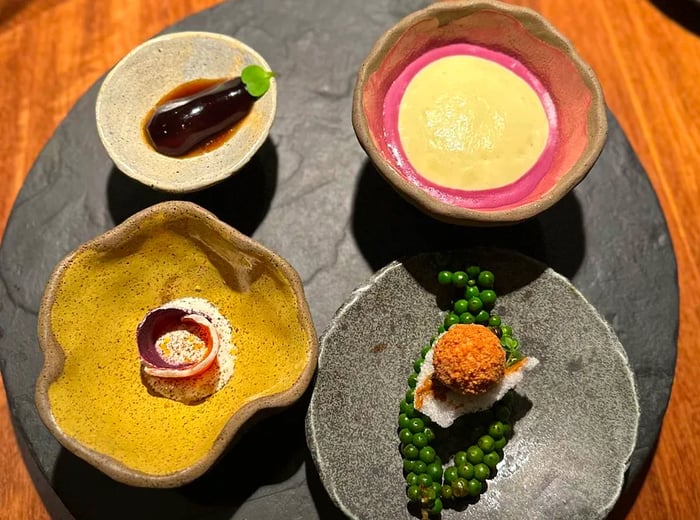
[164,320]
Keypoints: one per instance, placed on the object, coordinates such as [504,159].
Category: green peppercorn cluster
[426,482]
[476,306]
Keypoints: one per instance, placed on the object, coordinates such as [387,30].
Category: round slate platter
[311,195]
[577,407]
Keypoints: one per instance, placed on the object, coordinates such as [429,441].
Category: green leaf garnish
[256,80]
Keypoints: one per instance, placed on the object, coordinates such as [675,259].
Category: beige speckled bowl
[90,392]
[516,32]
[151,71]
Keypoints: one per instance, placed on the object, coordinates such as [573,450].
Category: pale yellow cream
[468,123]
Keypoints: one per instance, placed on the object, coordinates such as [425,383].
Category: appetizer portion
[186,350]
[465,372]
[468,368]
[194,114]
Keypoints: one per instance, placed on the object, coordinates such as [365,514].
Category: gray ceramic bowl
[576,412]
[152,70]
[518,33]
[90,392]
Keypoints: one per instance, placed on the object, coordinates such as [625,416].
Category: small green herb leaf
[256,80]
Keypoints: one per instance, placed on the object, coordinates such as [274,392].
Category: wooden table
[51,51]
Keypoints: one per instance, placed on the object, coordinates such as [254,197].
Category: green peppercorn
[474,454]
[495,321]
[486,279]
[460,458]
[417,364]
[403,421]
[424,480]
[451,319]
[408,465]
[459,279]
[475,304]
[413,493]
[492,459]
[507,428]
[485,442]
[419,440]
[435,471]
[412,380]
[437,507]
[427,454]
[460,306]
[444,277]
[446,491]
[488,297]
[429,434]
[416,425]
[410,452]
[412,479]
[467,317]
[466,470]
[471,292]
[451,474]
[497,429]
[482,317]
[473,271]
[499,444]
[481,471]
[428,496]
[407,408]
[405,436]
[409,395]
[474,487]
[460,488]
[419,466]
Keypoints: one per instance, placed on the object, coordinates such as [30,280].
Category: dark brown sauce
[187,89]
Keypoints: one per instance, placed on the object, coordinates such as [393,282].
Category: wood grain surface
[51,51]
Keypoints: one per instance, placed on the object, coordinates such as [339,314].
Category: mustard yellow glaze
[468,123]
[100,399]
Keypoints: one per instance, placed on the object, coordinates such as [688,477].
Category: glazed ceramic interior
[90,392]
[515,32]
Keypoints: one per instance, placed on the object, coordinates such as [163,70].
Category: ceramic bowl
[564,410]
[518,33]
[90,392]
[148,73]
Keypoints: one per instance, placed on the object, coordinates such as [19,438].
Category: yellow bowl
[90,393]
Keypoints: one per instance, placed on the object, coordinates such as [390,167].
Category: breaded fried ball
[469,359]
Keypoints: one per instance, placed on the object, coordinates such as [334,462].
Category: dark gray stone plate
[576,412]
[311,195]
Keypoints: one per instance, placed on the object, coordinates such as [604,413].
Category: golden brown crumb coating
[469,359]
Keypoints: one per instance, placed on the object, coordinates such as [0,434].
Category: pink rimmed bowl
[571,87]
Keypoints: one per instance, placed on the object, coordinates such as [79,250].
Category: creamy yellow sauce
[468,123]
[100,399]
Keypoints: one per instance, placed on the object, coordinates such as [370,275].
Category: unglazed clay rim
[597,126]
[54,356]
[183,169]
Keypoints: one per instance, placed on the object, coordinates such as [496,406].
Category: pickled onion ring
[163,320]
